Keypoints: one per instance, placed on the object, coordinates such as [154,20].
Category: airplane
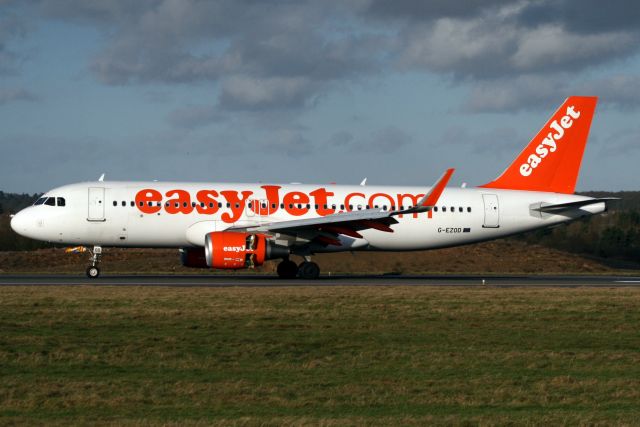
[235,226]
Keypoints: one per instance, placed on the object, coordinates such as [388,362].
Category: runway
[324,281]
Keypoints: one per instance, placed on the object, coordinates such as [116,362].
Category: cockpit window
[51,201]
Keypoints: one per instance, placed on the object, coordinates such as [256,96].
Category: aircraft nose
[19,223]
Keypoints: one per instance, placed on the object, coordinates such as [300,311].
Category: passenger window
[350,207]
[219,205]
[115,203]
[444,209]
[210,204]
[469,209]
[453,209]
[250,205]
[435,209]
[61,201]
[124,203]
[315,206]
[341,207]
[51,201]
[273,205]
[132,204]
[460,209]
[228,204]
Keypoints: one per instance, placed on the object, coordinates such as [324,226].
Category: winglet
[431,198]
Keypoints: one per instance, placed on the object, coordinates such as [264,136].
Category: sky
[309,91]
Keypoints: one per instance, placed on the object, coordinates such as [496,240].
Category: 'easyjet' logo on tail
[550,143]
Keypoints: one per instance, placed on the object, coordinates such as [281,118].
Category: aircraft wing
[326,229]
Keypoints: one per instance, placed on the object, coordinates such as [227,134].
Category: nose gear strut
[93,270]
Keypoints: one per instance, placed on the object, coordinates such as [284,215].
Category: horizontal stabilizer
[560,207]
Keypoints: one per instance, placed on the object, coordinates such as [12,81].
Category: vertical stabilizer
[551,161]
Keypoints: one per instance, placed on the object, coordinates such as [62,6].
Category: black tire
[93,272]
[308,270]
[287,269]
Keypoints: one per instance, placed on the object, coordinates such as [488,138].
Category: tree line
[614,235]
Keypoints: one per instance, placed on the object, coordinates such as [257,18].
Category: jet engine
[235,250]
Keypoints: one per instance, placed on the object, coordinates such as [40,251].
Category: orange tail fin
[551,161]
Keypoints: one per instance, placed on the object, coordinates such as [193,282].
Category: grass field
[319,356]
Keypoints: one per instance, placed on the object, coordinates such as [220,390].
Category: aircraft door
[491,211]
[249,209]
[265,208]
[96,204]
[258,208]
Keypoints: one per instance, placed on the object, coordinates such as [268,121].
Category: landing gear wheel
[93,272]
[96,255]
[287,269]
[308,270]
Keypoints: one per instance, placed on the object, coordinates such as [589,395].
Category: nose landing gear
[93,270]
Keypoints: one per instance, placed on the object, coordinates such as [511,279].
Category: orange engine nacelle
[235,250]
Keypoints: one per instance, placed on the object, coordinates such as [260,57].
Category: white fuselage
[110,213]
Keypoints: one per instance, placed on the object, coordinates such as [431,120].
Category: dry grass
[503,256]
[317,356]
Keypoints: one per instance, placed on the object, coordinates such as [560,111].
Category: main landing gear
[93,270]
[307,269]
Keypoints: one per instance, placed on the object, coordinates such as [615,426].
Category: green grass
[329,356]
